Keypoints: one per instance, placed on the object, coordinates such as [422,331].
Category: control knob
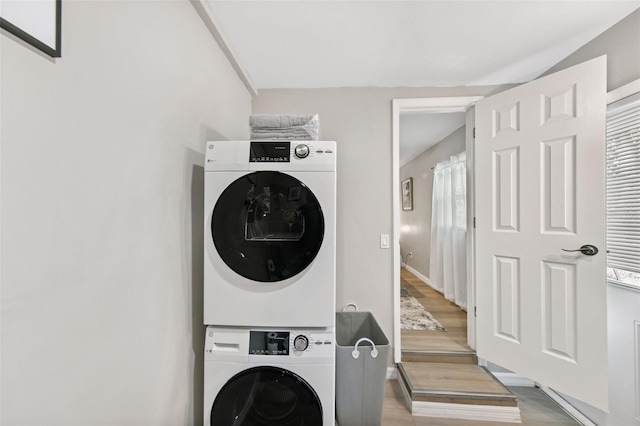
[302,151]
[300,343]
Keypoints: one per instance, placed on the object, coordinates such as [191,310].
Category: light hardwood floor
[448,314]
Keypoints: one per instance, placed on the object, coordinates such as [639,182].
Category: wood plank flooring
[452,377]
[448,314]
[536,409]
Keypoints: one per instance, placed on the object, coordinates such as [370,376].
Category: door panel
[540,188]
[507,270]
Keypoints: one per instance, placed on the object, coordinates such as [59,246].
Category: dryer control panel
[269,152]
[282,156]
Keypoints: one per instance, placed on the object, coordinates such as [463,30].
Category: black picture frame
[406,191]
[23,33]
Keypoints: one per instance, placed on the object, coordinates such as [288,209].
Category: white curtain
[448,261]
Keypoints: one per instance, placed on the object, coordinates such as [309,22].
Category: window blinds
[623,184]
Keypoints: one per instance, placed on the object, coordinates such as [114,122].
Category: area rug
[413,316]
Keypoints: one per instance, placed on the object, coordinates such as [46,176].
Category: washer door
[266,396]
[267,226]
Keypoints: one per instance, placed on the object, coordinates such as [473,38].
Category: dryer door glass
[267,226]
[266,396]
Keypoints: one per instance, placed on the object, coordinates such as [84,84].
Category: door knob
[587,250]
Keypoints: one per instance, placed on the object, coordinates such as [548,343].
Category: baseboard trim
[428,282]
[568,408]
[392,373]
[513,379]
[418,275]
[487,413]
[405,392]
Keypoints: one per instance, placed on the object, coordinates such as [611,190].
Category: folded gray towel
[281,121]
[291,130]
[281,129]
[283,135]
[280,138]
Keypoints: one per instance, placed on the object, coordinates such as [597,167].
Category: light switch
[384,241]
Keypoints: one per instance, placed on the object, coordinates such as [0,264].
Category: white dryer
[270,233]
[263,377]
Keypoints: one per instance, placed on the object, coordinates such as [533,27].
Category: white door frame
[428,105]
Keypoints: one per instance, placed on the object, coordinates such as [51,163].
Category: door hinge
[474,222]
[474,132]
[475,311]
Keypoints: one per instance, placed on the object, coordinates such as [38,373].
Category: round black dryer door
[267,226]
[266,396]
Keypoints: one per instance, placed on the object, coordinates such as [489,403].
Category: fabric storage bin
[362,358]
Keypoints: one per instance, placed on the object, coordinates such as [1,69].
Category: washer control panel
[269,342]
[305,343]
[261,344]
[283,343]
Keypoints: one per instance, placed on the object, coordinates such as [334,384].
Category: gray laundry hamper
[362,358]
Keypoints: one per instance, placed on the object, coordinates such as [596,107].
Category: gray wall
[621,44]
[623,306]
[359,119]
[102,154]
[415,225]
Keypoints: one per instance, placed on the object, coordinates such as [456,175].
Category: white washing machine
[269,377]
[270,233]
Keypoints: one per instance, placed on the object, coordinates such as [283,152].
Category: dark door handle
[587,250]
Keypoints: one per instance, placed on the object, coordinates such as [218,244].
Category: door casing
[429,105]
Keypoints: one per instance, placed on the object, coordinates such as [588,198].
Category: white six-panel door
[540,188]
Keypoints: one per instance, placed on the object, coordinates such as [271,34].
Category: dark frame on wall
[24,34]
[407,194]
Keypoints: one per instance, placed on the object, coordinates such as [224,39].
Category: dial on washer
[302,150]
[300,343]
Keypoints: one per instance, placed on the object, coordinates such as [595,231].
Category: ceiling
[394,43]
[338,43]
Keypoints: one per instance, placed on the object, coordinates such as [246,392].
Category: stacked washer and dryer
[269,283]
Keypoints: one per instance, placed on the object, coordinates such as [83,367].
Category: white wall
[624,362]
[102,154]
[359,119]
[415,225]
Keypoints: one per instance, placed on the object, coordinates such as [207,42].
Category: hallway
[451,316]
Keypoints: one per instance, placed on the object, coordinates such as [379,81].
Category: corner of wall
[210,22]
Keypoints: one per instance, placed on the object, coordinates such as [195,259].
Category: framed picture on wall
[407,194]
[34,22]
